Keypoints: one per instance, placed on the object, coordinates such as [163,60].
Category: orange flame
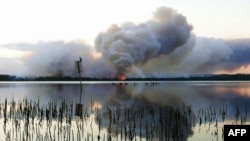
[121,77]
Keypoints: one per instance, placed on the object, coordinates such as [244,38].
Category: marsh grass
[61,120]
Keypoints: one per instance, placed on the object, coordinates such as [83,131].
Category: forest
[212,77]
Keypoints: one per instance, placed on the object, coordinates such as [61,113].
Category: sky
[32,20]
[36,21]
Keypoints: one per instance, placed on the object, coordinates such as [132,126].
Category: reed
[29,120]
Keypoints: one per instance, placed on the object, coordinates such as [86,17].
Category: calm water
[188,111]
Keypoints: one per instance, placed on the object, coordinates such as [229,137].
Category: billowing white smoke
[200,55]
[130,44]
[57,59]
[162,45]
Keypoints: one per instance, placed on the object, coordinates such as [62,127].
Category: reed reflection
[120,111]
[126,117]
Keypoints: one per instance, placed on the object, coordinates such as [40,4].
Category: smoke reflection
[126,116]
[150,111]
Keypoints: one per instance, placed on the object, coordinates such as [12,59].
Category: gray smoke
[131,44]
[57,58]
[201,55]
[162,45]
[240,56]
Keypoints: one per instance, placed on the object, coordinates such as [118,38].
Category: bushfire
[121,77]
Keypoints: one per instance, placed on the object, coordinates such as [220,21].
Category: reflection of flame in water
[121,77]
[97,105]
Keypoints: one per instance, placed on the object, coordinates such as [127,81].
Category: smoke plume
[161,45]
[56,58]
[131,44]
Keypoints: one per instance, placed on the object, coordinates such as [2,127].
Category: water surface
[190,111]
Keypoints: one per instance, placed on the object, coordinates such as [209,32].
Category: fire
[121,77]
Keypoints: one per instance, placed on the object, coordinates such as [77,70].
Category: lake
[93,111]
